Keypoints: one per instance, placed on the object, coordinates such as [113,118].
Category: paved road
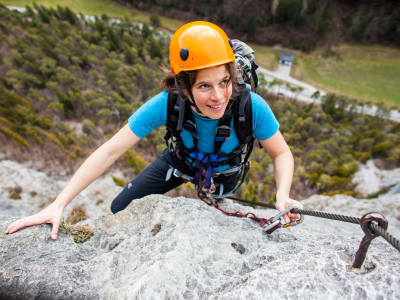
[283,73]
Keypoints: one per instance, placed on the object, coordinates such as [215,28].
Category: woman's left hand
[283,202]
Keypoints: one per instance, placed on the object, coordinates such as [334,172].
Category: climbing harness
[208,195]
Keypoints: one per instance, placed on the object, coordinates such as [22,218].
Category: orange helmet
[198,45]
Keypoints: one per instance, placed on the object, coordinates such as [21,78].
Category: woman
[204,75]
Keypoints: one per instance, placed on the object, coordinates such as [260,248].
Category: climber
[212,119]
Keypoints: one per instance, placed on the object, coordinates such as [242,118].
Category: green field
[368,73]
[266,56]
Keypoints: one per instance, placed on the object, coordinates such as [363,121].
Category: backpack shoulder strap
[243,117]
[243,123]
[172,116]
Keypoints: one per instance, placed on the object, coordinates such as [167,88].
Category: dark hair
[169,81]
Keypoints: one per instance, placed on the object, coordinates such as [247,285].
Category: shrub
[382,149]
[119,181]
[16,137]
[77,214]
[135,161]
[155,21]
[80,233]
[88,126]
[347,169]
[250,193]
[15,193]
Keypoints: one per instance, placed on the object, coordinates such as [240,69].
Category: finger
[286,218]
[293,216]
[15,226]
[54,230]
[21,223]
[279,206]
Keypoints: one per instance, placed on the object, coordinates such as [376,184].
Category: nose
[218,93]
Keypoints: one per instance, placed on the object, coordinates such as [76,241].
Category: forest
[67,83]
[298,24]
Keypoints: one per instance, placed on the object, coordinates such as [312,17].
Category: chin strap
[187,86]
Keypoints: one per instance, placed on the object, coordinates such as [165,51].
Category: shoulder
[257,100]
[152,114]
[259,105]
[265,124]
[155,104]
[160,97]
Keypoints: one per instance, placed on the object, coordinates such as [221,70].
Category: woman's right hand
[52,214]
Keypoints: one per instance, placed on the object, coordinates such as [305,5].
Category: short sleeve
[152,114]
[265,124]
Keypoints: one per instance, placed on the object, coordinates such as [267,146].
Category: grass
[80,233]
[266,56]
[370,73]
[99,7]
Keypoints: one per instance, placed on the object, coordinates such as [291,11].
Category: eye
[204,86]
[225,82]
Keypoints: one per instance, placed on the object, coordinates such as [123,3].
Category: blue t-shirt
[153,114]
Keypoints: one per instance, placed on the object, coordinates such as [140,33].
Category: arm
[94,166]
[283,161]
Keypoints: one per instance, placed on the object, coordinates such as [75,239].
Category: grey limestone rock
[191,257]
[179,248]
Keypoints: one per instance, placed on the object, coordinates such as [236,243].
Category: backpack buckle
[222,133]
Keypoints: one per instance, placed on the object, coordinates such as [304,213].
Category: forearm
[283,169]
[93,167]
[96,164]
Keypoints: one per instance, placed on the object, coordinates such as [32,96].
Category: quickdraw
[278,221]
[269,225]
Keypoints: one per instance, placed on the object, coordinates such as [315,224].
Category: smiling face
[212,91]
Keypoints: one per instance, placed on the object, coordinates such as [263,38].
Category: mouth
[216,107]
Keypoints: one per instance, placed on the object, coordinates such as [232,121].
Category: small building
[286,59]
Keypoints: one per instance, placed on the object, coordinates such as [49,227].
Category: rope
[374,227]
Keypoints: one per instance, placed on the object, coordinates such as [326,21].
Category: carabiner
[278,221]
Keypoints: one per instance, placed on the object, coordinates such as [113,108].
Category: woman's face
[212,91]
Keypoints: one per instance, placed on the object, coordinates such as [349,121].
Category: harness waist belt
[178,173]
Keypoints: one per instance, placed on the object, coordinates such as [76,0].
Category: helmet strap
[184,76]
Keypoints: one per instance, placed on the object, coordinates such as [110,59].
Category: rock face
[370,179]
[179,248]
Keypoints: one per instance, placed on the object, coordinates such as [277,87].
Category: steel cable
[325,215]
[378,230]
[386,235]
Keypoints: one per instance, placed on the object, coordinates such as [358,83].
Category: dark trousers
[152,181]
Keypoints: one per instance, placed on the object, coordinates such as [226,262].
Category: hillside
[67,83]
